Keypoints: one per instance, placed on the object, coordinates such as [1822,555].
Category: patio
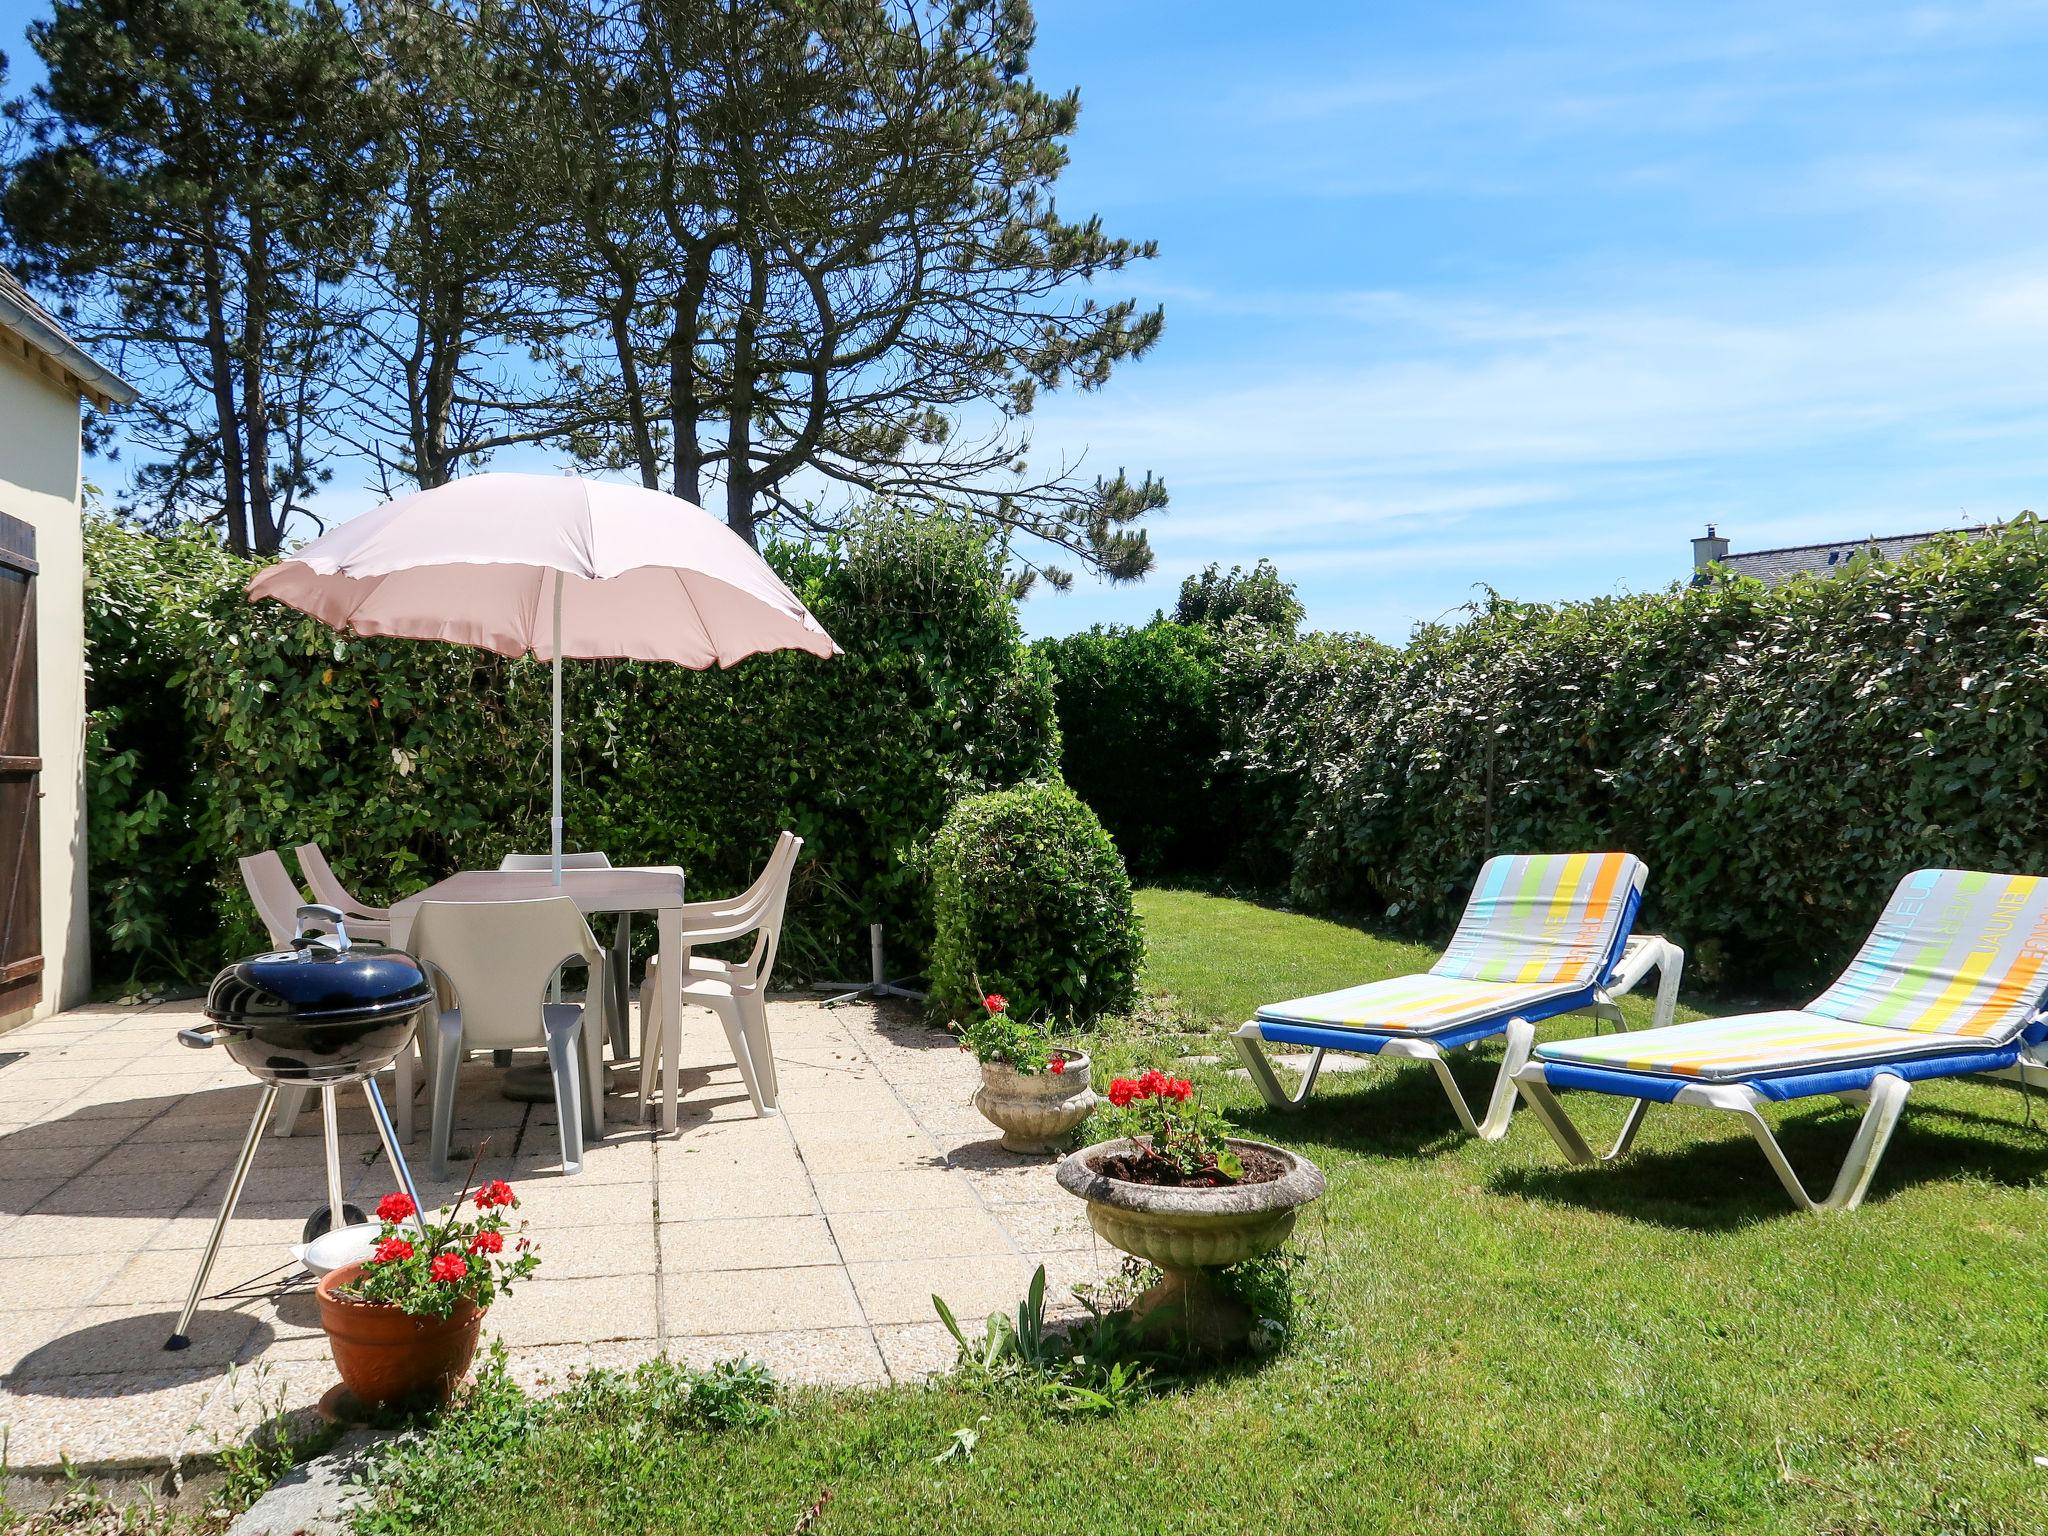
[811,1241]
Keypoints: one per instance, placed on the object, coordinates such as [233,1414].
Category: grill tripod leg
[391,1153]
[330,1128]
[180,1339]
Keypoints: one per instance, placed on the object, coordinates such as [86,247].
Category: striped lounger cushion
[1539,933]
[1954,967]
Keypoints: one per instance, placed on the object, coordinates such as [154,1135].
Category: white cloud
[1562,450]
[1487,386]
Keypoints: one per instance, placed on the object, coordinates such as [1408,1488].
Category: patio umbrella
[548,566]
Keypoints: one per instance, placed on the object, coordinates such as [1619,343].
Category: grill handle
[334,940]
[204,1036]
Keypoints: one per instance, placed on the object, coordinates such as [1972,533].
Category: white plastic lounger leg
[1251,1051]
[1670,968]
[1648,952]
[1887,1096]
[1500,1107]
[2027,1073]
[1543,1102]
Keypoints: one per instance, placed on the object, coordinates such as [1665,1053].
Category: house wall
[39,470]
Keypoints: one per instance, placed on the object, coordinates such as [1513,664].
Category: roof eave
[39,343]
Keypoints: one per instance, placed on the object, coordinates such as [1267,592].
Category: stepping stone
[318,1498]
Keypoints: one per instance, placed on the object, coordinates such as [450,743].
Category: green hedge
[262,728]
[1192,742]
[1031,901]
[1140,738]
[149,871]
[1779,757]
[1278,702]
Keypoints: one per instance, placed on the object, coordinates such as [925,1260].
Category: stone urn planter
[1190,1233]
[388,1358]
[1034,1110]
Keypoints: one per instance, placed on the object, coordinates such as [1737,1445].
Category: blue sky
[1524,294]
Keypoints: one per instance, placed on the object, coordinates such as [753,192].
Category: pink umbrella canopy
[549,566]
[643,575]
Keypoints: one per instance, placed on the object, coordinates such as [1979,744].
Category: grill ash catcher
[322,1013]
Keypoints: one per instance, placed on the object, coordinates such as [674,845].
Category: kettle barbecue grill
[322,1012]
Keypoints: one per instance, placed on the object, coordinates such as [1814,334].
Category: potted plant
[1175,1191]
[403,1323]
[1031,1090]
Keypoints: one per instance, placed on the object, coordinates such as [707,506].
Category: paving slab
[866,1237]
[901,1290]
[747,1242]
[811,1241]
[743,1301]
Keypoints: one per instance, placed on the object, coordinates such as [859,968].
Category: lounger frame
[1641,954]
[1883,1097]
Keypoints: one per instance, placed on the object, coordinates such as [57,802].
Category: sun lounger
[1543,935]
[1949,983]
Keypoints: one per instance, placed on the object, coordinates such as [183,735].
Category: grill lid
[320,979]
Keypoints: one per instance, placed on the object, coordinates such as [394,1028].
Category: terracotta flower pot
[389,1358]
[1034,1110]
[1191,1233]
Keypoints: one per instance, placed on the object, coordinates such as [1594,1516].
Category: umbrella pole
[555,816]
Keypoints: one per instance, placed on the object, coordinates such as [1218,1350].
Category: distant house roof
[31,333]
[1772,566]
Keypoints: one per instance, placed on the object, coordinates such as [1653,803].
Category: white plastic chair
[364,921]
[528,862]
[497,958]
[275,894]
[736,991]
[277,900]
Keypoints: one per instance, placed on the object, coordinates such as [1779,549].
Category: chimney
[1709,550]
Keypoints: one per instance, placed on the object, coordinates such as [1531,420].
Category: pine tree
[823,241]
[193,189]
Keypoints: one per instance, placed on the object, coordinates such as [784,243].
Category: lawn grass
[1502,1344]
[1219,959]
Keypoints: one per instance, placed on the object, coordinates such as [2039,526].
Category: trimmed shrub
[1030,900]
[409,759]
[1139,738]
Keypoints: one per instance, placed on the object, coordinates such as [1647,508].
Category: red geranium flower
[1179,1089]
[495,1193]
[1056,1065]
[448,1266]
[395,1207]
[487,1242]
[1121,1091]
[995,1002]
[391,1250]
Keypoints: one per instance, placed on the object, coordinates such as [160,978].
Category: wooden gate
[21,767]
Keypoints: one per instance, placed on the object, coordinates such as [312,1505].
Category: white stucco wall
[39,467]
